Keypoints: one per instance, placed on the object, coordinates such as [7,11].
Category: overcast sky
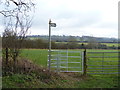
[97,18]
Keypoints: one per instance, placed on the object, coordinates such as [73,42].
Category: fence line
[62,61]
[85,62]
[105,63]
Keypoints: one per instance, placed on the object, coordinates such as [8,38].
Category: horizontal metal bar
[102,68]
[75,56]
[53,63]
[102,61]
[66,62]
[103,57]
[54,59]
[74,52]
[58,55]
[106,73]
[70,71]
[63,59]
[58,59]
[53,66]
[64,67]
[103,65]
[70,62]
[65,51]
[69,67]
[54,55]
[74,62]
[63,56]
[58,51]
[102,52]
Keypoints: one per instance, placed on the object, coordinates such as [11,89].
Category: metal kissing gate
[66,61]
[84,62]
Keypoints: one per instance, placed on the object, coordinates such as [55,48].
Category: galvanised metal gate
[102,63]
[66,61]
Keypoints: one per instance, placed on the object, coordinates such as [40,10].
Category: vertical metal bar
[85,64]
[82,61]
[67,60]
[59,64]
[82,56]
[57,61]
[102,61]
[59,58]
[49,44]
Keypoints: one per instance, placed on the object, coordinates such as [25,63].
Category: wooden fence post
[85,63]
[6,56]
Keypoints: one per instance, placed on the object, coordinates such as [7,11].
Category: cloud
[108,25]
[76,17]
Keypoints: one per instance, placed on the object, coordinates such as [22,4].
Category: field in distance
[107,44]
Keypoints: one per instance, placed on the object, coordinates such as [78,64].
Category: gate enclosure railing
[66,61]
[84,62]
[102,62]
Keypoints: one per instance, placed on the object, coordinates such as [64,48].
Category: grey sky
[77,17]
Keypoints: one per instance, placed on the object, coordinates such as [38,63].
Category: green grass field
[107,44]
[40,57]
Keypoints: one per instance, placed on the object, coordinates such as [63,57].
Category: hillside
[64,38]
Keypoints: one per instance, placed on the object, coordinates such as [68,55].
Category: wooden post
[49,45]
[85,63]
[6,55]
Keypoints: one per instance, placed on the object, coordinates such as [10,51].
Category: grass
[100,81]
[36,55]
[63,80]
[67,81]
[111,59]
[111,44]
[107,44]
[40,56]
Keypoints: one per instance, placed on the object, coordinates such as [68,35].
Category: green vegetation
[38,56]
[107,44]
[71,43]
[67,80]
[44,79]
[111,44]
[31,81]
[100,81]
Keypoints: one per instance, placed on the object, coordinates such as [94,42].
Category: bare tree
[17,21]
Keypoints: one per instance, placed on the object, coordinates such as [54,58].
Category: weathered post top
[49,21]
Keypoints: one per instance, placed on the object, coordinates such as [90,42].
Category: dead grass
[42,74]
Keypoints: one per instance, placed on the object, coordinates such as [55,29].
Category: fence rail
[103,63]
[66,61]
[85,62]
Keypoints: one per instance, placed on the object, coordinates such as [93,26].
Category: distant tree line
[63,38]
[43,44]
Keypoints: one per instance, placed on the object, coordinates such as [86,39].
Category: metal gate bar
[62,61]
[105,65]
